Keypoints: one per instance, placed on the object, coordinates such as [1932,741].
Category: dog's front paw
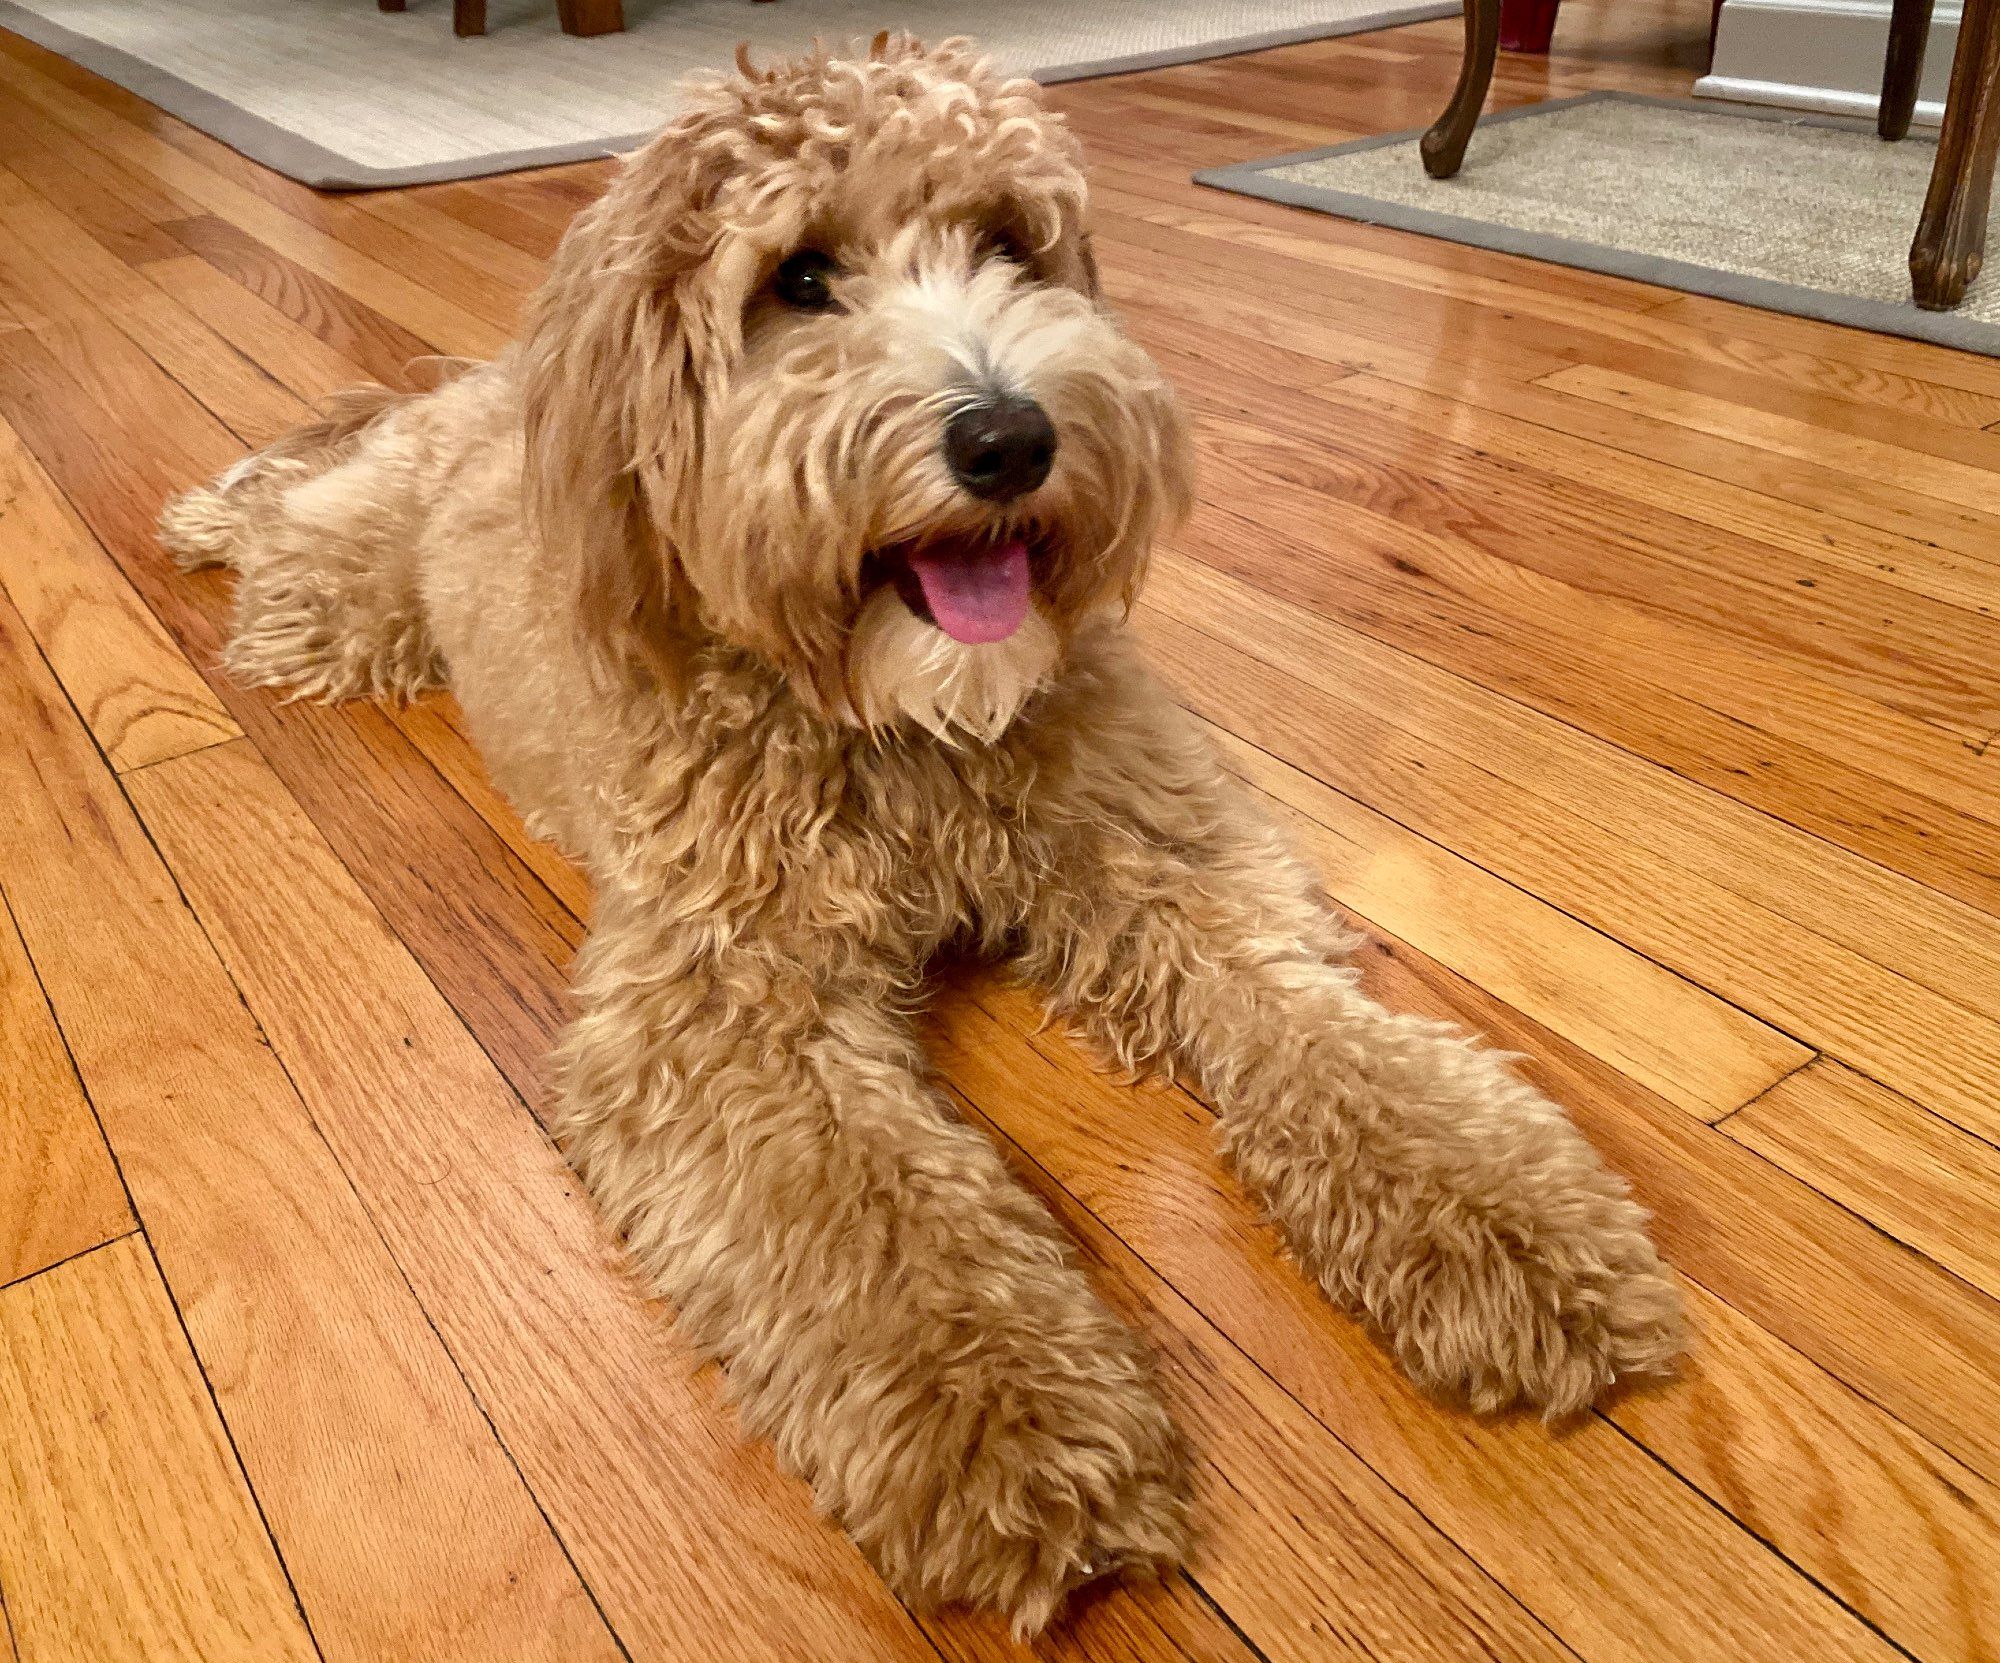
[1011,1490]
[1495,1316]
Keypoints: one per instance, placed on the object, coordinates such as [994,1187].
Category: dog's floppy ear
[611,362]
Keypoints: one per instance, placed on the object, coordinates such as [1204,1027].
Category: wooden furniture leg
[468,17]
[389,5]
[591,17]
[1950,244]
[1909,30]
[1443,147]
[1527,25]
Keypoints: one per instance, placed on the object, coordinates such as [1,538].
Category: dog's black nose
[1000,448]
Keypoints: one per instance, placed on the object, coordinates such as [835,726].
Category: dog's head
[825,373]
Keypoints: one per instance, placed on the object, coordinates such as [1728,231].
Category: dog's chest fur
[764,820]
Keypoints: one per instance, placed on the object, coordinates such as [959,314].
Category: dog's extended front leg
[1419,1179]
[900,1317]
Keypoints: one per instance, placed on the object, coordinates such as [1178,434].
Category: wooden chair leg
[1443,147]
[468,17]
[1909,31]
[1950,244]
[591,17]
[389,5]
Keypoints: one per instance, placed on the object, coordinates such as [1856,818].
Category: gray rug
[341,95]
[1795,214]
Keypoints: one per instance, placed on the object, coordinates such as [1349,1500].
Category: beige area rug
[339,94]
[1805,215]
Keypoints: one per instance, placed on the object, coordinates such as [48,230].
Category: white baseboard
[1816,100]
[1820,55]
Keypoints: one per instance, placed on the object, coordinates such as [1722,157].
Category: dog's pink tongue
[975,594]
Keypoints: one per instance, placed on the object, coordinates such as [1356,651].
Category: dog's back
[322,527]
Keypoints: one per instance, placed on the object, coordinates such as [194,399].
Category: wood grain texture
[1904,1170]
[127,1534]
[1312,1553]
[285,350]
[337,1390]
[1623,658]
[1898,1329]
[600,1410]
[435,727]
[1628,314]
[417,845]
[1736,905]
[1690,1047]
[138,694]
[443,323]
[59,1193]
[327,313]
[1144,1162]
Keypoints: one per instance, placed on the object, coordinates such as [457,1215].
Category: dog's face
[825,373]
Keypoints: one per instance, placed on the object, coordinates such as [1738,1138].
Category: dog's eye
[805,280]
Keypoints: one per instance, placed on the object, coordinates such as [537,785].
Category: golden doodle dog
[781,571]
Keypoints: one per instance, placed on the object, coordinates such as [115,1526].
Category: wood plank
[514,207]
[603,1413]
[59,1192]
[1886,354]
[1141,185]
[1693,1049]
[117,454]
[1900,1531]
[104,210]
[1771,633]
[329,314]
[1799,528]
[409,1533]
[1705,456]
[1309,1551]
[1836,416]
[1602,338]
[127,1532]
[251,404]
[1123,1621]
[50,270]
[1305,318]
[1530,1508]
[447,326]
[139,696]
[1904,1170]
[283,349]
[54,272]
[1892,467]
[1784,739]
[1630,315]
[1889,1324]
[1750,909]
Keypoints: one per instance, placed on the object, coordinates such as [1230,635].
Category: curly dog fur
[660,550]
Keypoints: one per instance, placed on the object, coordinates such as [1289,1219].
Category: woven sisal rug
[341,95]
[1794,214]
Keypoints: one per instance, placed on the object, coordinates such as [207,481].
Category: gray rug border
[313,164]
[1881,316]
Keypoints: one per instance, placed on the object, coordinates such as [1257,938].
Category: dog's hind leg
[896,1313]
[321,529]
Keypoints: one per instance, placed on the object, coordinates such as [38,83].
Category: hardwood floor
[1625,659]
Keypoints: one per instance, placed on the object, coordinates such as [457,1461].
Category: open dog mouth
[976,587]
